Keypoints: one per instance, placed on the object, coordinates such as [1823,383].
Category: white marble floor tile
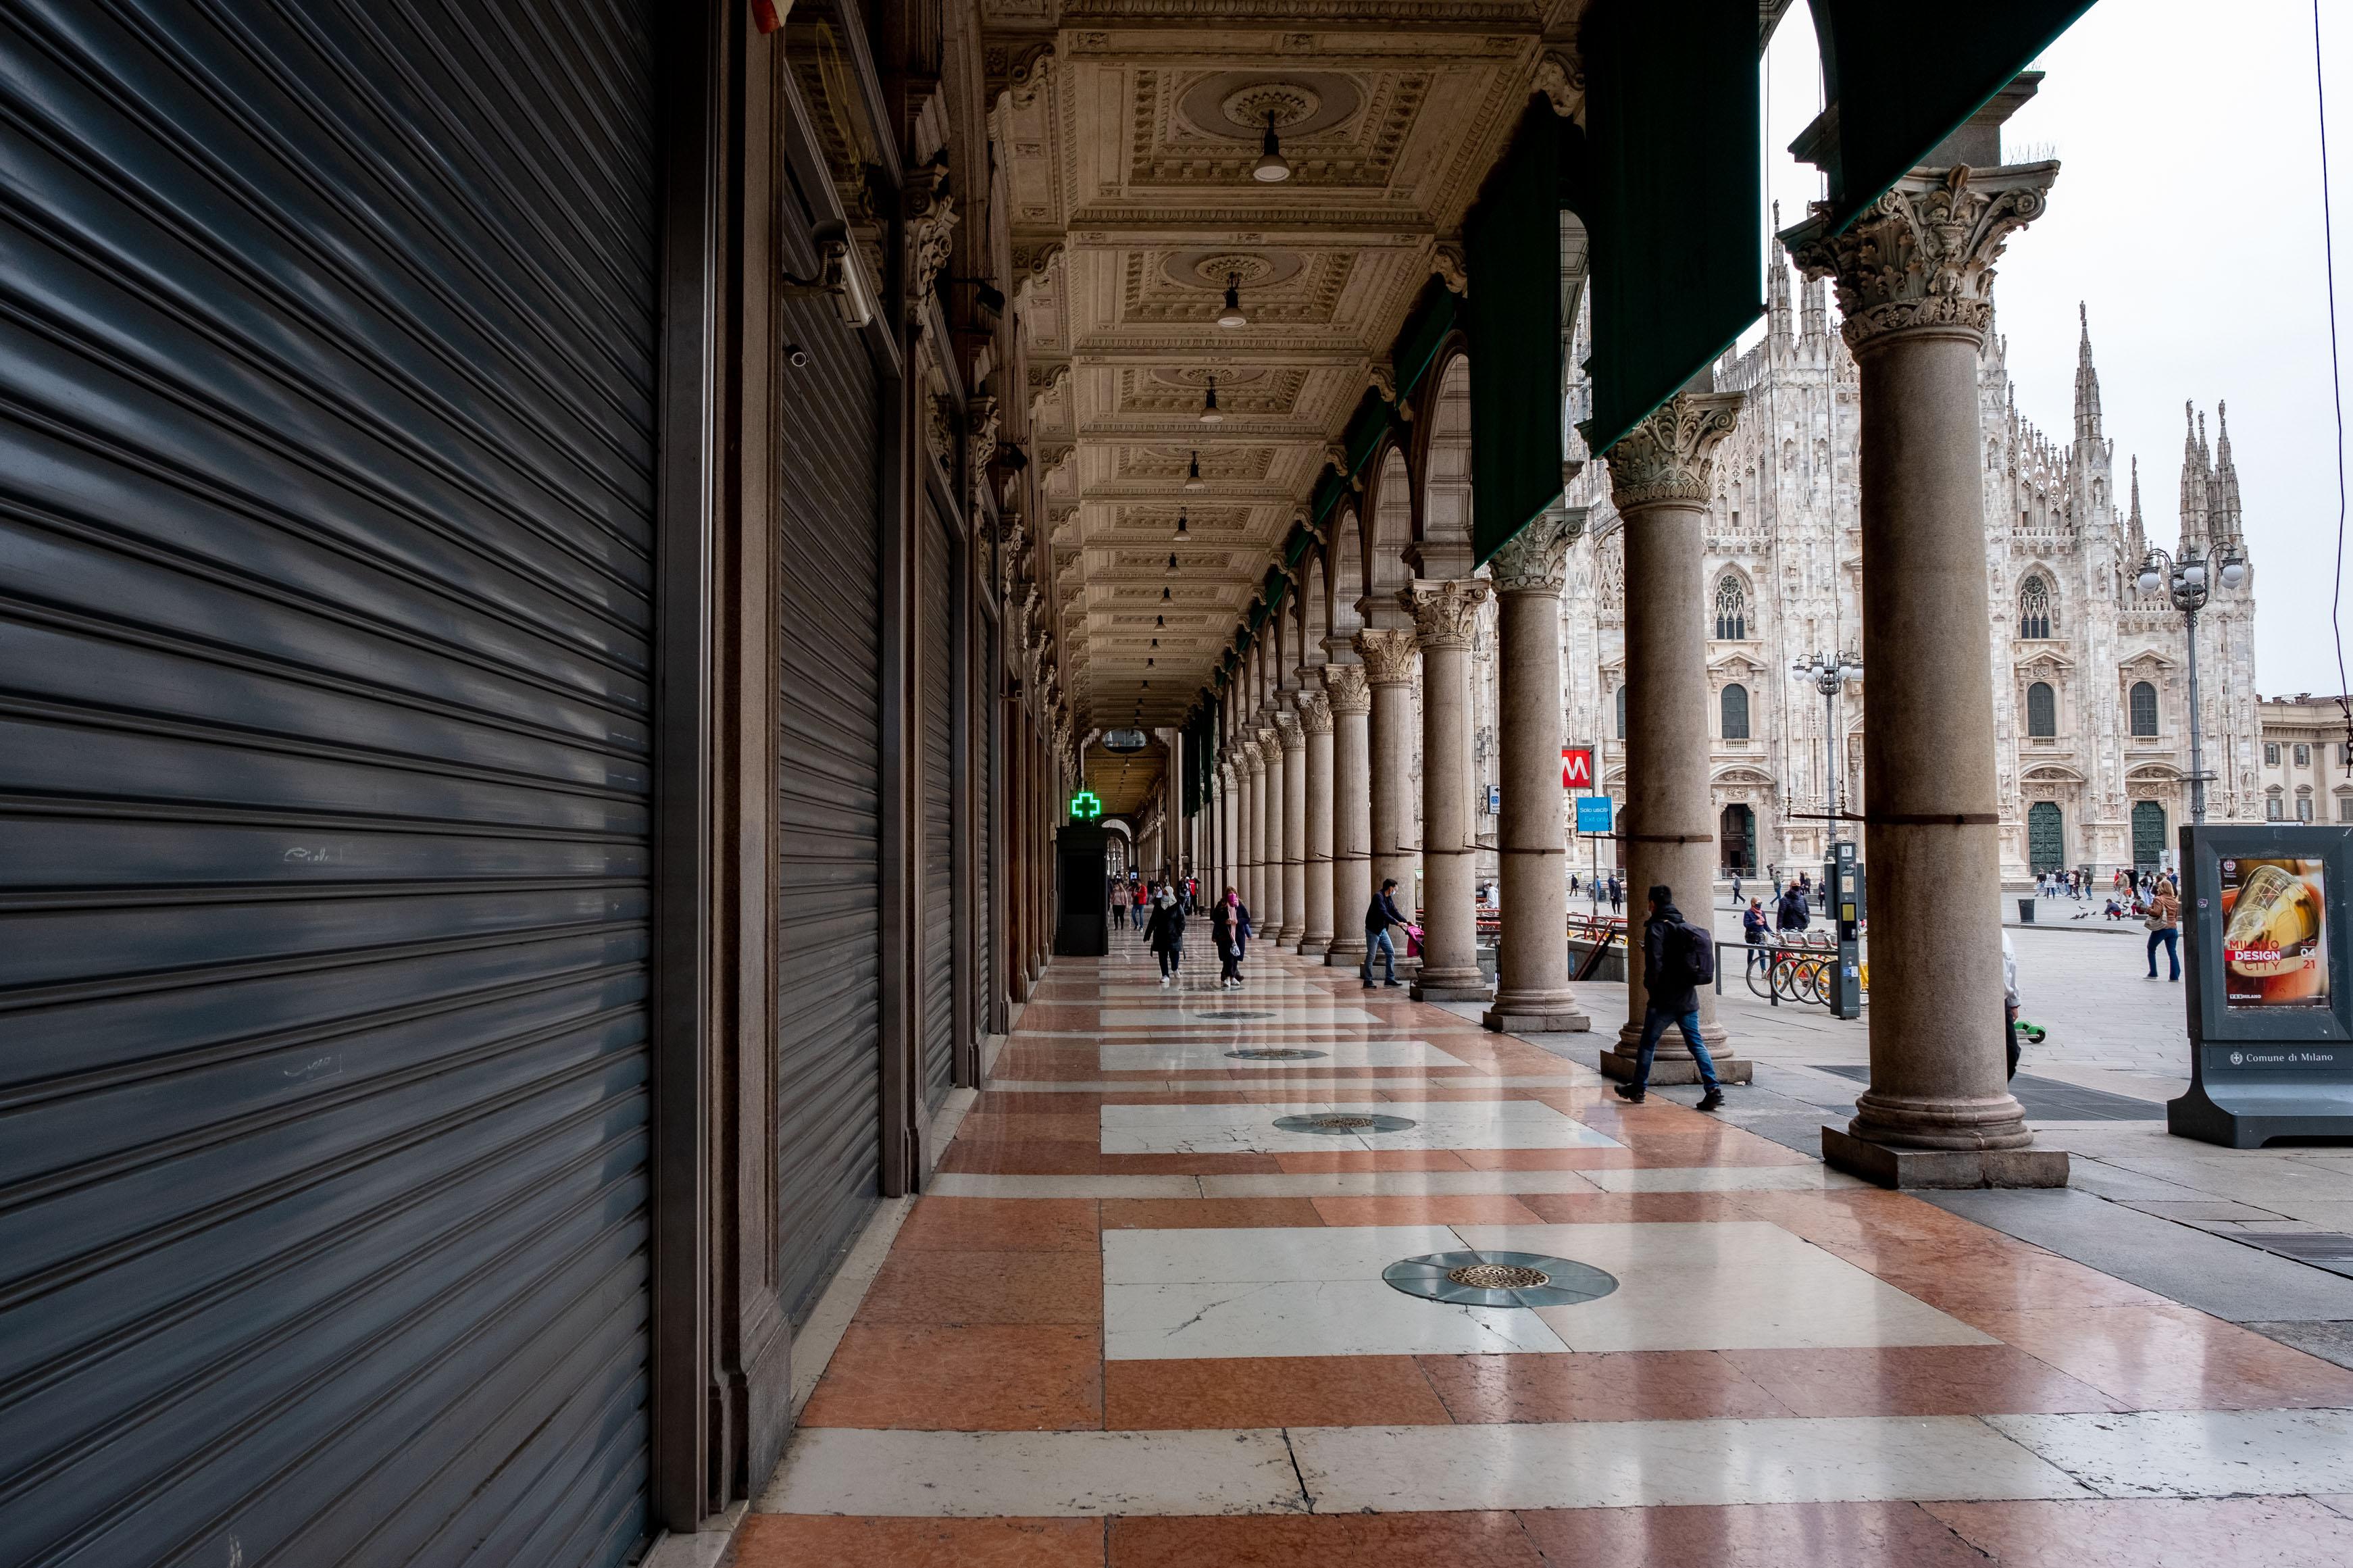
[1264,1254]
[1211,1056]
[1249,1128]
[2195,1452]
[1806,1178]
[1632,1464]
[1034,1474]
[1278,1012]
[1306,1318]
[1722,1284]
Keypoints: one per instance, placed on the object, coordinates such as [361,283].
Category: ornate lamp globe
[1270,168]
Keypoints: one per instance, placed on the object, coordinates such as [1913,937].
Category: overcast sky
[2187,218]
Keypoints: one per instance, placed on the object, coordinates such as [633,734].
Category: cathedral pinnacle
[2087,385]
[2194,502]
[2223,496]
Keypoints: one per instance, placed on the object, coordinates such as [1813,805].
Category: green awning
[1512,250]
[1672,200]
[1893,100]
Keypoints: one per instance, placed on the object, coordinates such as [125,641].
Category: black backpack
[1690,954]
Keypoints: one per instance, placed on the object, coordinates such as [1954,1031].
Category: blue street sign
[1593,812]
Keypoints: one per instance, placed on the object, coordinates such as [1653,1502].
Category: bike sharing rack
[2269,983]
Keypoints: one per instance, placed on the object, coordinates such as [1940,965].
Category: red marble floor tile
[948,1288]
[1036,1102]
[1437,1208]
[1916,1380]
[1207,1214]
[1072,1127]
[1550,1159]
[2153,1533]
[1757,1535]
[1626,1208]
[1323,1541]
[994,1377]
[982,1157]
[1060,1015]
[999,1225]
[826,1540]
[1270,1391]
[1325,1162]
[2172,1358]
[1588,1385]
[1188,1166]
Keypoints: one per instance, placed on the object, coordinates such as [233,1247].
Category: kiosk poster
[2274,952]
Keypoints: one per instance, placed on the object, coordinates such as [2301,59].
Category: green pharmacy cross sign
[1086,806]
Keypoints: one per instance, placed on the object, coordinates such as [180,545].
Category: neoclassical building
[2091,676]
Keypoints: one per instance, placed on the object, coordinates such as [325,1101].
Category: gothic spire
[1778,261]
[2224,496]
[2087,385]
[2193,482]
[2135,532]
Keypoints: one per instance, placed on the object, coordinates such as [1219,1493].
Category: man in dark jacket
[1671,995]
[1166,930]
[1791,913]
[1379,916]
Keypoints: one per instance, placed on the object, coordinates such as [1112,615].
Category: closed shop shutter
[829,904]
[986,780]
[327,410]
[939,665]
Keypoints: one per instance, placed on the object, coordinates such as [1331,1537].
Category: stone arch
[1314,609]
[1443,519]
[1391,534]
[1344,584]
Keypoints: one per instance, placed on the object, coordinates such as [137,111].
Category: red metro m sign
[1577,767]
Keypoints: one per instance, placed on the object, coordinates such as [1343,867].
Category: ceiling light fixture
[1210,415]
[1172,561]
[1270,168]
[1180,523]
[1193,480]
[1231,316]
[1161,621]
[1165,596]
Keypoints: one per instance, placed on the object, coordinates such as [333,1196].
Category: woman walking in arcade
[1165,931]
[1229,925]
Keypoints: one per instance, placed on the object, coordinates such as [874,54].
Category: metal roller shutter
[939,809]
[985,775]
[327,402]
[830,908]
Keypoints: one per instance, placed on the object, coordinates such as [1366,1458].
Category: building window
[1731,609]
[2034,607]
[2271,754]
[2345,808]
[2144,707]
[2273,809]
[2041,712]
[1735,706]
[1621,712]
[2304,756]
[2303,807]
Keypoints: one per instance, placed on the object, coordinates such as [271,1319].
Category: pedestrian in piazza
[1380,915]
[1678,958]
[1616,893]
[1229,926]
[1753,926]
[1792,912]
[2164,924]
[1118,908]
[1166,930]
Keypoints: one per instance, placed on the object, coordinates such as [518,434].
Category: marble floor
[1132,1321]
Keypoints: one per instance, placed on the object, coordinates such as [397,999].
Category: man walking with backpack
[1678,958]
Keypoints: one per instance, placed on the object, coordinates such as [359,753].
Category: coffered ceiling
[1126,132]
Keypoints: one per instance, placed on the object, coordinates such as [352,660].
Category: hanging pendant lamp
[1231,316]
[1270,168]
[1210,415]
[1193,480]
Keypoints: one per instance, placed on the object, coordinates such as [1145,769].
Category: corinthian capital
[1445,614]
[1315,713]
[1920,259]
[1388,655]
[1670,456]
[931,219]
[1289,735]
[1345,688]
[1248,761]
[1535,559]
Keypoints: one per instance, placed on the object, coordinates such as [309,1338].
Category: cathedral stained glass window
[2034,607]
[1731,608]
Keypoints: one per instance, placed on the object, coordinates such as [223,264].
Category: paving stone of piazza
[1133,1321]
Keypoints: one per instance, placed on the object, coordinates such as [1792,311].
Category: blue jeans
[1654,1024]
[2171,937]
[1378,941]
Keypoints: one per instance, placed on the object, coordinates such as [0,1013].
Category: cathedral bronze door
[1736,836]
[2148,833]
[2046,838]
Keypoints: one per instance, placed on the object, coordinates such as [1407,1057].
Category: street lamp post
[2189,583]
[1830,672]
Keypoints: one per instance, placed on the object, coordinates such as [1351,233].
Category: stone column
[1389,655]
[1660,478]
[1269,913]
[1445,615]
[1254,816]
[1914,283]
[1352,812]
[1315,817]
[1531,994]
[1229,796]
[1294,829]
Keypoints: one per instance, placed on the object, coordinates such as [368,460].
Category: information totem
[2264,914]
[1842,875]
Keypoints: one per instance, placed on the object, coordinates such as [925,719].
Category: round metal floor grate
[1499,1279]
[1274,1054]
[1234,1015]
[1342,1124]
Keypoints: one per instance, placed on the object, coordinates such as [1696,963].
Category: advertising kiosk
[2270,983]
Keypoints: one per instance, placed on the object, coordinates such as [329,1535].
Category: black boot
[1711,1100]
[1628,1092]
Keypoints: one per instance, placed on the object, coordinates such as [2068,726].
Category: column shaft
[1532,991]
[1295,833]
[1254,893]
[1268,911]
[1315,812]
[1446,615]
[1351,811]
[1390,658]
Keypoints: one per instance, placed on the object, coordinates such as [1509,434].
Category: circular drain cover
[1273,1054]
[1340,1125]
[1233,1015]
[1499,1279]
